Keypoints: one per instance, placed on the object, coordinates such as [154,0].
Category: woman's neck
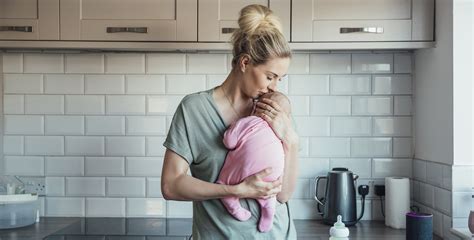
[234,96]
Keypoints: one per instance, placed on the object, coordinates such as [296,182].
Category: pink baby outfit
[253,147]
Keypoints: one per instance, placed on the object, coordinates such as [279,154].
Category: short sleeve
[178,136]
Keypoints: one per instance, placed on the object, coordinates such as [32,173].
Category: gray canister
[419,226]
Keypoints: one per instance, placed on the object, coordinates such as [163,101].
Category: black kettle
[339,197]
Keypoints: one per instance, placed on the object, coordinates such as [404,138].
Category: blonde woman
[261,59]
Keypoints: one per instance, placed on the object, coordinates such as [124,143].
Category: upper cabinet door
[29,19]
[361,20]
[129,20]
[218,18]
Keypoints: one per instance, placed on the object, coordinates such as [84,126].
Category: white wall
[94,124]
[463,77]
[433,95]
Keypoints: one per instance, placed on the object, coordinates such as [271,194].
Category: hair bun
[255,19]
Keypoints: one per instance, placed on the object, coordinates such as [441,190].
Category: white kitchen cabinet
[218,18]
[362,20]
[129,20]
[29,19]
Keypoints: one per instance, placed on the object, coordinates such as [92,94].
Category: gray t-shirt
[196,134]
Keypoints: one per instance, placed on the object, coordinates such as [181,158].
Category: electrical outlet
[34,185]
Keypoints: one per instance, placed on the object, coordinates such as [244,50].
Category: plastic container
[18,210]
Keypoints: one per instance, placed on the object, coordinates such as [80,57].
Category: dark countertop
[171,229]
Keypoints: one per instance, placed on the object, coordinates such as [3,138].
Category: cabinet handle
[16,29]
[127,29]
[229,30]
[361,30]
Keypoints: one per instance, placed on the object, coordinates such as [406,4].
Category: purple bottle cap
[419,215]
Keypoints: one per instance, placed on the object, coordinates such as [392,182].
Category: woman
[261,59]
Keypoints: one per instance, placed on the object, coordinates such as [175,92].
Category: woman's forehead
[278,66]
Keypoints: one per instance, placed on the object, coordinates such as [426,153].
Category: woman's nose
[272,87]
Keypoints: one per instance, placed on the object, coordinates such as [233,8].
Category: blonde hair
[259,35]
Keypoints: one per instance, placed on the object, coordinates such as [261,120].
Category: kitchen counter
[55,228]
[462,233]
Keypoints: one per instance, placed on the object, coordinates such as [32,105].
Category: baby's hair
[259,36]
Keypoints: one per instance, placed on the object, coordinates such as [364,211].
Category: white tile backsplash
[23,83]
[330,105]
[44,104]
[125,146]
[104,84]
[350,84]
[140,125]
[13,145]
[64,125]
[125,63]
[43,63]
[24,124]
[145,84]
[55,186]
[105,125]
[185,84]
[371,147]
[84,63]
[86,146]
[147,207]
[65,206]
[351,126]
[392,84]
[392,126]
[372,106]
[64,166]
[63,84]
[13,104]
[402,63]
[372,63]
[126,187]
[308,84]
[179,209]
[104,166]
[23,165]
[85,104]
[12,62]
[330,147]
[85,186]
[169,63]
[153,187]
[105,207]
[125,105]
[330,63]
[144,166]
[44,145]
[207,63]
[106,116]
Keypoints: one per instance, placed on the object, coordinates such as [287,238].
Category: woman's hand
[254,187]
[278,120]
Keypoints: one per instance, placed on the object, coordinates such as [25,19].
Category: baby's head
[281,99]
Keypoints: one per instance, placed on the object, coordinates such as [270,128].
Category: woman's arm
[280,122]
[290,174]
[177,185]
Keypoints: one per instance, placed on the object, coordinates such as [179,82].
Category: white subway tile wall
[93,124]
[434,194]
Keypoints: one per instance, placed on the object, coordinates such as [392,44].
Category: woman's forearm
[290,174]
[188,188]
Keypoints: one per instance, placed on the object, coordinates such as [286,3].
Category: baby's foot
[242,214]
[266,220]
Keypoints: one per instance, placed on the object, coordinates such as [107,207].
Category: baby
[253,147]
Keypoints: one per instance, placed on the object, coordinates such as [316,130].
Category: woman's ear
[244,62]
